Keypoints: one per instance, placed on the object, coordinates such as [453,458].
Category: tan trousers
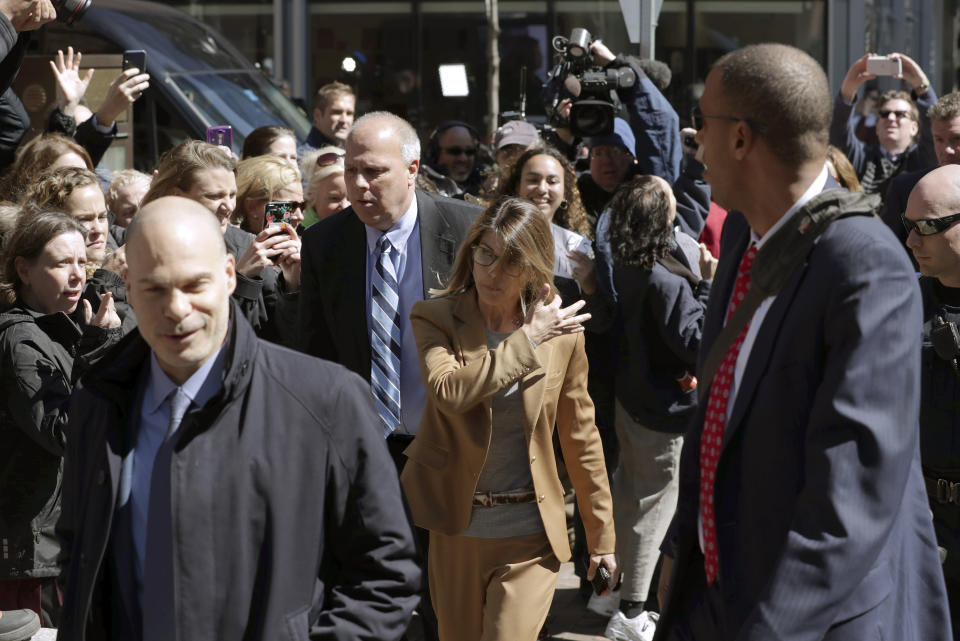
[491,589]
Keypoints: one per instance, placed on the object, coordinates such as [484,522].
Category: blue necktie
[159,623]
[385,340]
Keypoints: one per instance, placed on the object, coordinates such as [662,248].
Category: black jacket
[662,316]
[40,356]
[287,500]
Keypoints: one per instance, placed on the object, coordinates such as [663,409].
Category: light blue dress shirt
[154,421]
[404,236]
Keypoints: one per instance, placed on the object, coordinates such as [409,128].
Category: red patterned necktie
[716,419]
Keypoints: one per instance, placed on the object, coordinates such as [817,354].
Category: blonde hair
[308,164]
[526,238]
[179,168]
[258,178]
[120,180]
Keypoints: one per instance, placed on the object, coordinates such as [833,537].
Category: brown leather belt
[942,490]
[489,499]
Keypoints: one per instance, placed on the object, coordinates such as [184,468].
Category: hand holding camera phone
[884,66]
[135,58]
[601,580]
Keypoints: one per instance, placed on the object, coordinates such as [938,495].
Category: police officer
[933,235]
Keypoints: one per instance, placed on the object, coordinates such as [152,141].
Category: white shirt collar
[815,188]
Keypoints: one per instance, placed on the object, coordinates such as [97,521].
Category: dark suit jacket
[822,523]
[333,321]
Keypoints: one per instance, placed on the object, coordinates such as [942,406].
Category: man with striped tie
[802,512]
[365,267]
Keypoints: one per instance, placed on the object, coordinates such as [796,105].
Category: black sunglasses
[460,151]
[698,118]
[293,205]
[885,113]
[929,226]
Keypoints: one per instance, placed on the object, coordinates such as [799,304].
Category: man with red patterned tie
[802,511]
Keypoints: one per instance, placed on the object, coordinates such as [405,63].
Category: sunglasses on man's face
[885,113]
[460,151]
[929,226]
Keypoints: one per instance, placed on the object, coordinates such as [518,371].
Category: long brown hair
[570,215]
[526,238]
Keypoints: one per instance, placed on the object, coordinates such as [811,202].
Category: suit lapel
[438,246]
[763,343]
[760,353]
[350,305]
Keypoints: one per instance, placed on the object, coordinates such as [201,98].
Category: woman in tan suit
[504,366]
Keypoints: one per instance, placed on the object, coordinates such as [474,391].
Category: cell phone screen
[220,136]
[277,211]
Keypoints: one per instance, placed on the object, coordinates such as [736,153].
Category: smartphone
[220,136]
[601,580]
[277,211]
[90,295]
[135,58]
[884,66]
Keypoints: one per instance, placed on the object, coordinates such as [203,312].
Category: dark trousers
[396,443]
[703,616]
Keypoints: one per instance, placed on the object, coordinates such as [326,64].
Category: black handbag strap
[777,261]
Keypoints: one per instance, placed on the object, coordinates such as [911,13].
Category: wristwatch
[922,89]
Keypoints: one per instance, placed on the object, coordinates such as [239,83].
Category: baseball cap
[622,136]
[515,132]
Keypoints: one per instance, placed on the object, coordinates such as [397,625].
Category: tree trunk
[493,64]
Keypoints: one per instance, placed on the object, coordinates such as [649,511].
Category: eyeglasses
[698,117]
[885,113]
[929,226]
[460,151]
[483,256]
[327,159]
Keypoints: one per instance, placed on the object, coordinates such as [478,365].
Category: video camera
[69,11]
[592,89]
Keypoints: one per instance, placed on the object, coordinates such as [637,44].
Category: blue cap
[622,136]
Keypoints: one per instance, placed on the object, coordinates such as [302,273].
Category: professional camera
[69,11]
[592,89]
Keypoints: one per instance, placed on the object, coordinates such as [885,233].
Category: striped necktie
[385,339]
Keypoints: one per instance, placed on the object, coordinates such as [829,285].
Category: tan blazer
[462,376]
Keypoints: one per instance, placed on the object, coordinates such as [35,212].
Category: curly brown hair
[570,215]
[641,224]
[53,188]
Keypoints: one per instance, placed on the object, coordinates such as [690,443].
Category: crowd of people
[313,388]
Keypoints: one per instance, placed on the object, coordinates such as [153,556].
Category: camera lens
[592,118]
[69,11]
